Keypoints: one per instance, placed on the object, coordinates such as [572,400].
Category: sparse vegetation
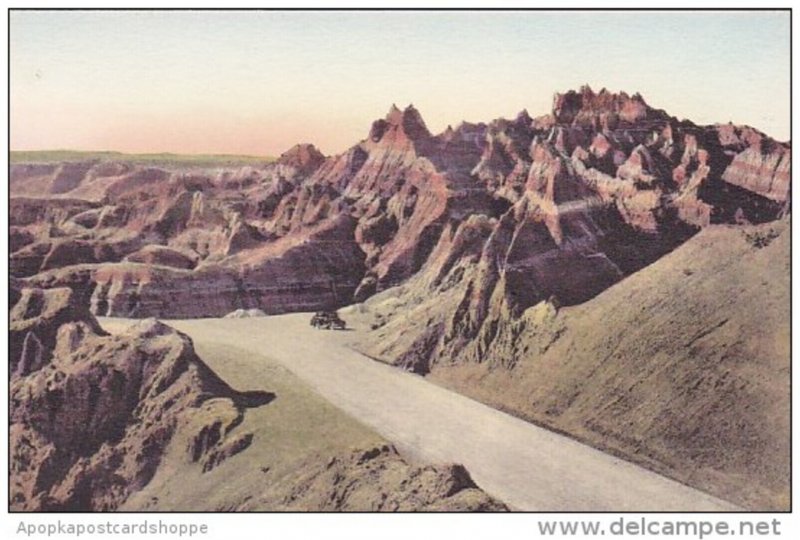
[760,238]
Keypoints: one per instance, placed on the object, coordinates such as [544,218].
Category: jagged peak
[413,124]
[590,97]
[394,114]
[302,155]
[465,126]
[409,121]
[587,106]
[523,117]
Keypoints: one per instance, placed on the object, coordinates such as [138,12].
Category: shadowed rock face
[92,414]
[604,185]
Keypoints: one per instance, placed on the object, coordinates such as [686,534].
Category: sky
[257,82]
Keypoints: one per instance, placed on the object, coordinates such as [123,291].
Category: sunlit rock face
[602,185]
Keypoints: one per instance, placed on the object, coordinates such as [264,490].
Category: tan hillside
[682,367]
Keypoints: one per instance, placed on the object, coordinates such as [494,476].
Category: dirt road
[527,467]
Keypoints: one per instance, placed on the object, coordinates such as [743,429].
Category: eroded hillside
[604,185]
[605,269]
[682,367]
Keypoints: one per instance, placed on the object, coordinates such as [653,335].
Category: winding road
[527,467]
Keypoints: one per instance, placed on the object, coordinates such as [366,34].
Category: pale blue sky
[257,82]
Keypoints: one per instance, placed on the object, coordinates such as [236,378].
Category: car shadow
[253,398]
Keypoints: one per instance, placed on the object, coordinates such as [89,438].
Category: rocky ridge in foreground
[92,413]
[93,417]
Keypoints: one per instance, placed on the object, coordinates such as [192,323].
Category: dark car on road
[328,320]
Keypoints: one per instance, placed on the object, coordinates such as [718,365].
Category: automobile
[328,320]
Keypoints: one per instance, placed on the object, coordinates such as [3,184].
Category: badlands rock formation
[462,243]
[91,414]
[605,184]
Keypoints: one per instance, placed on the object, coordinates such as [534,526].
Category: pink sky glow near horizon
[258,82]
